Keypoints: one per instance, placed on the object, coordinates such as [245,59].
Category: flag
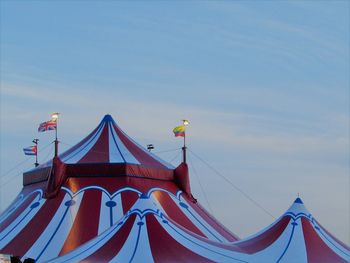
[31,150]
[179,131]
[47,126]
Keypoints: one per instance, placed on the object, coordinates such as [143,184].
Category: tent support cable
[233,185]
[200,184]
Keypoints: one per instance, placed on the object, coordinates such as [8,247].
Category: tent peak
[108,118]
[298,201]
[107,150]
[298,207]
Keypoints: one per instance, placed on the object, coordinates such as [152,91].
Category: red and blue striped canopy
[106,151]
[107,143]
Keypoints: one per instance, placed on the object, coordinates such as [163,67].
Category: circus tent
[93,186]
[295,237]
[109,199]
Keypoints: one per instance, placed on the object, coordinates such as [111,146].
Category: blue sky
[265,85]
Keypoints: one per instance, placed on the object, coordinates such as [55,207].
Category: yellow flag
[179,131]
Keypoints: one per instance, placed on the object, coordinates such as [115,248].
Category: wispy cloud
[240,129]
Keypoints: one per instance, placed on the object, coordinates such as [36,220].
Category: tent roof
[102,218]
[295,237]
[124,218]
[108,151]
[107,143]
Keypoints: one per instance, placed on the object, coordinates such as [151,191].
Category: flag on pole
[31,150]
[47,126]
[179,131]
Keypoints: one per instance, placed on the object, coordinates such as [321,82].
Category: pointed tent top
[297,208]
[109,144]
[298,201]
[311,242]
[108,118]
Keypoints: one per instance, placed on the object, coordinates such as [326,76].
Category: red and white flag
[47,126]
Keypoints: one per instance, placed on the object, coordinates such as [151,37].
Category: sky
[265,85]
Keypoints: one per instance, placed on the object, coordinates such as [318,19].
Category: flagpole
[184,149]
[56,145]
[181,131]
[185,123]
[54,117]
[35,141]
